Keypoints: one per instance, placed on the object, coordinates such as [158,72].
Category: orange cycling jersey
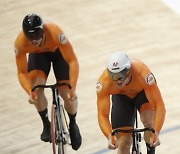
[141,79]
[54,39]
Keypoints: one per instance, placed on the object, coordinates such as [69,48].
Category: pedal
[66,138]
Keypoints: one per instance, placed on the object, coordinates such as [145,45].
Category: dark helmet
[33,27]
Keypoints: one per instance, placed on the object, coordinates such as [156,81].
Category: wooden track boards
[146,30]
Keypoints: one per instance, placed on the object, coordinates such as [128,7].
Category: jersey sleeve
[153,94]
[21,63]
[103,107]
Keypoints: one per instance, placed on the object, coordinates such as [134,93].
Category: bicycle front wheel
[58,145]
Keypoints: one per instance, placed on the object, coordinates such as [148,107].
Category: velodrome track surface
[146,30]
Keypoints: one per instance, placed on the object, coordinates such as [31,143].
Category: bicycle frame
[59,126]
[136,137]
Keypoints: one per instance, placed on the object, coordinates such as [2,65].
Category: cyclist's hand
[72,95]
[32,97]
[155,140]
[112,142]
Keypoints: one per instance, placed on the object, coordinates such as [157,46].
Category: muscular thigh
[60,66]
[38,64]
[123,111]
[142,102]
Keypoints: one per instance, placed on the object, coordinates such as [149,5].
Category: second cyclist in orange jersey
[130,84]
[45,44]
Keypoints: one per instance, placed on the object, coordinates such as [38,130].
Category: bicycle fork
[136,139]
[62,135]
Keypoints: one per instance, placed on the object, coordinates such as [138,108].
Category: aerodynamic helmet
[119,66]
[33,27]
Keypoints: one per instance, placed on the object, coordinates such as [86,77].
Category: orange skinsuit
[106,87]
[52,42]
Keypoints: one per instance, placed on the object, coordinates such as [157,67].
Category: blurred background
[145,30]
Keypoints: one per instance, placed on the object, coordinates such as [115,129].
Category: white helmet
[119,65]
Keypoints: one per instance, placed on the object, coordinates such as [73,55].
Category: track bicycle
[136,136]
[59,126]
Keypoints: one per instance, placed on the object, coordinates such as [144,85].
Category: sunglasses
[120,76]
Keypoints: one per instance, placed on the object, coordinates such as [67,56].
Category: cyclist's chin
[123,83]
[36,44]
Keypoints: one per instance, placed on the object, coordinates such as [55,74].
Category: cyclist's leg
[147,117]
[123,116]
[61,71]
[38,68]
[71,107]
[36,77]
[124,142]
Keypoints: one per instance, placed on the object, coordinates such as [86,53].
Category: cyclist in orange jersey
[46,44]
[129,84]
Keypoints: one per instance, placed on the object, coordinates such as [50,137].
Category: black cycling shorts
[123,111]
[43,61]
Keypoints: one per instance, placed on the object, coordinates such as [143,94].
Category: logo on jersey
[62,38]
[150,79]
[98,87]
[132,90]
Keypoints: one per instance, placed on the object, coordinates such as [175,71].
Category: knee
[124,143]
[124,146]
[64,96]
[40,93]
[63,92]
[147,118]
[146,123]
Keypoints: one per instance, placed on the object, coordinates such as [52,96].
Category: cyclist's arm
[21,62]
[154,96]
[69,55]
[103,106]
